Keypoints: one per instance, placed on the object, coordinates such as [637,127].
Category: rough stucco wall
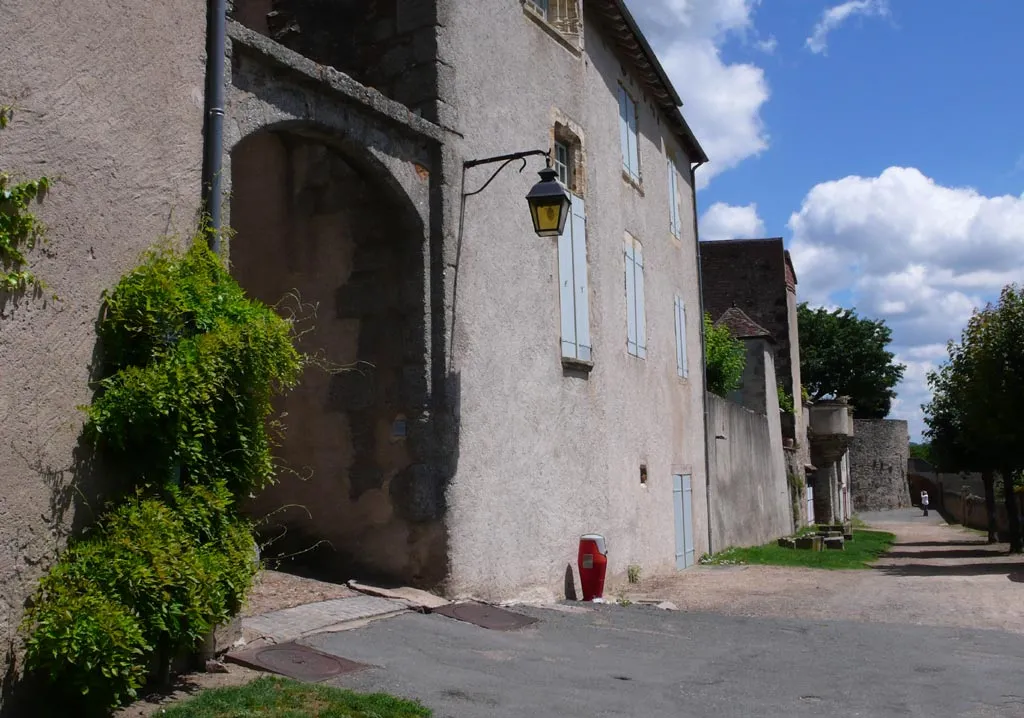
[324,231]
[547,455]
[878,464]
[750,499]
[111,103]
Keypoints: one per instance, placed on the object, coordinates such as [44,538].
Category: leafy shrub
[191,355]
[725,358]
[192,366]
[160,575]
[785,400]
[86,643]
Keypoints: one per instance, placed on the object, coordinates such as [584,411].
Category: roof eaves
[631,41]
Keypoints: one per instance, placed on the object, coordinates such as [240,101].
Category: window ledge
[635,184]
[573,48]
[577,365]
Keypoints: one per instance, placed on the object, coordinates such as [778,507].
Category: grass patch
[865,548]
[283,698]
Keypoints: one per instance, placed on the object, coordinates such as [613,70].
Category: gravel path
[935,575]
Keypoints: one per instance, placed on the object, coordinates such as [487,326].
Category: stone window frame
[561,19]
[567,133]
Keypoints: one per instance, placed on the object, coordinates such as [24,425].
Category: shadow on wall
[363,479]
[77,493]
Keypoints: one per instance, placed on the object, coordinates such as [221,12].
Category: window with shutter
[673,197]
[636,328]
[682,369]
[573,289]
[628,136]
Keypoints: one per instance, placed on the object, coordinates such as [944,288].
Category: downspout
[703,352]
[213,109]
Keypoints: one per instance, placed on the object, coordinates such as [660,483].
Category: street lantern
[549,204]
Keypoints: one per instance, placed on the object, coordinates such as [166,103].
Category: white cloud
[835,16]
[727,221]
[768,45]
[722,102]
[901,247]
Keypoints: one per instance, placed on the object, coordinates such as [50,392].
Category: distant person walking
[924,502]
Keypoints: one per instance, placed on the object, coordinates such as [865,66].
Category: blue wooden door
[677,503]
[688,518]
[682,495]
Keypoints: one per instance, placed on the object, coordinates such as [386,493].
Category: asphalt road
[639,661]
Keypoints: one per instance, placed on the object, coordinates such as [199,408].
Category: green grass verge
[283,698]
[865,548]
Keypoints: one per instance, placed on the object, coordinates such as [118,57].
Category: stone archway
[314,226]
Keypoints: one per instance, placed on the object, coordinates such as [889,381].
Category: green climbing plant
[20,229]
[192,365]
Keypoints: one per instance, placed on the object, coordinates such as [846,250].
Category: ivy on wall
[192,365]
[20,230]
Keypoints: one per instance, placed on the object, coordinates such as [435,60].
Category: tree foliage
[972,419]
[922,451]
[725,358]
[842,354]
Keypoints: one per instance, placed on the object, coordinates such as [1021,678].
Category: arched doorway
[318,228]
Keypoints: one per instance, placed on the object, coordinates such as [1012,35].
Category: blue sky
[883,139]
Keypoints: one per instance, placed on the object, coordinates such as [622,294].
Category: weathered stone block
[787,542]
[834,543]
[809,543]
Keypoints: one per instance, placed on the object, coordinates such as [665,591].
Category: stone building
[756,276]
[507,393]
[751,501]
[878,464]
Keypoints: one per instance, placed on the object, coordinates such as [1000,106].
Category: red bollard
[593,562]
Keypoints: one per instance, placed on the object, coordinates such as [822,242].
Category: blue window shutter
[673,198]
[580,288]
[682,337]
[678,306]
[634,150]
[631,345]
[641,321]
[624,126]
[567,294]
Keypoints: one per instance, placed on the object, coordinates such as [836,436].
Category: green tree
[922,451]
[973,415]
[952,446]
[725,358]
[842,354]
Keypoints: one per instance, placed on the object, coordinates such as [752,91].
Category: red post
[593,562]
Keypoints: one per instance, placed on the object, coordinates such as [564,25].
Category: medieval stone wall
[878,463]
[393,46]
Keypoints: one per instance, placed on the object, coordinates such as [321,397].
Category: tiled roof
[741,326]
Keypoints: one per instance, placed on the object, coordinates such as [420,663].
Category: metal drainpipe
[213,137]
[703,350]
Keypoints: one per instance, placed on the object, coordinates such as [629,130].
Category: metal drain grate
[296,661]
[480,614]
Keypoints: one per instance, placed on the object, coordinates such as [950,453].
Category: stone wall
[878,464]
[393,46]
[749,494]
[751,275]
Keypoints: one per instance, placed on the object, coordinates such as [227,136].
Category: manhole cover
[480,614]
[296,661]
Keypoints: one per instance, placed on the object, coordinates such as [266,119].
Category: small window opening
[568,158]
[643,474]
[562,163]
